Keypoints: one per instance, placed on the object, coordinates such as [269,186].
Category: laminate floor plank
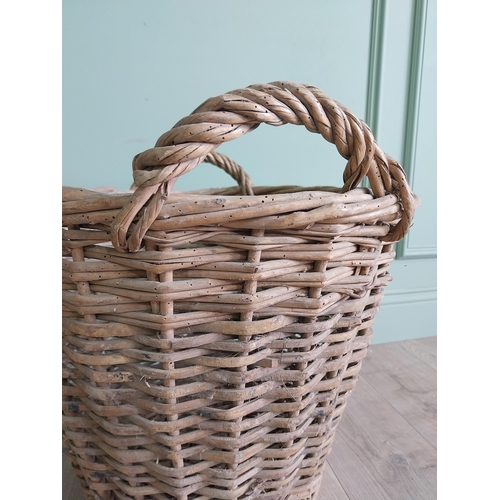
[330,486]
[425,349]
[390,357]
[415,400]
[378,454]
[408,383]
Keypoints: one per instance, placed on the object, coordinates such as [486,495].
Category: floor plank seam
[402,415]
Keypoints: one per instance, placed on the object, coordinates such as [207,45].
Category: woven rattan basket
[211,338]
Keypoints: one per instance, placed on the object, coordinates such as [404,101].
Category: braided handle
[233,169]
[226,117]
[230,167]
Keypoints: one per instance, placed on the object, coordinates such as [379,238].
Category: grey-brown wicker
[211,338]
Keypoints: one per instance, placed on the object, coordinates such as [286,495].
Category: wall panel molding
[375,63]
[403,249]
[393,297]
[377,72]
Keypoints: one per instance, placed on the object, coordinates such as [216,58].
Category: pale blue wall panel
[409,306]
[132,69]
[407,126]
[422,241]
[397,30]
[403,320]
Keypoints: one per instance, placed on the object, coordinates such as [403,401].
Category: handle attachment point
[220,119]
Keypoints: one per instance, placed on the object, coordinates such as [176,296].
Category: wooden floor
[385,445]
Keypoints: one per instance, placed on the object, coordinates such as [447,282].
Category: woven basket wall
[211,338]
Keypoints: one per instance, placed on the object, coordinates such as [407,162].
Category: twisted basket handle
[233,169]
[228,116]
[230,167]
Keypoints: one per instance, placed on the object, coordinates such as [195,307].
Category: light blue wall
[132,69]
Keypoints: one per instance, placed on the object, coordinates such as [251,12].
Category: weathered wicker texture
[209,353]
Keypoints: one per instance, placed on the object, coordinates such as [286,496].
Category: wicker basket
[211,338]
